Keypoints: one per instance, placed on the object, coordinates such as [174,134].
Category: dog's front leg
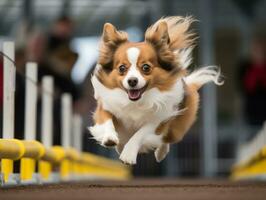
[104,130]
[132,147]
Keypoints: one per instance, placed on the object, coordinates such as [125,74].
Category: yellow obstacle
[10,150]
[34,150]
[64,165]
[67,166]
[256,166]
[66,162]
[106,168]
[71,162]
[51,159]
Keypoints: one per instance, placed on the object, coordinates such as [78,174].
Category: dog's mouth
[135,94]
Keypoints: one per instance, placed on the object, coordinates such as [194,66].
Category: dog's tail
[204,75]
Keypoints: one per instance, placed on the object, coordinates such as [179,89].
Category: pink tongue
[134,94]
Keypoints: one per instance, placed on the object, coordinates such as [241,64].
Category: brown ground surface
[141,189]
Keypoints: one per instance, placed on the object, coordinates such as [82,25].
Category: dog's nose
[132,82]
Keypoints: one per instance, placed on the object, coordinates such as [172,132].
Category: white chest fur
[153,106]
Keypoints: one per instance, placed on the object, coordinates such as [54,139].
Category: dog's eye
[122,69]
[146,68]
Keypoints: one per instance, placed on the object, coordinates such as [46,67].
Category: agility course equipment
[53,163]
[251,159]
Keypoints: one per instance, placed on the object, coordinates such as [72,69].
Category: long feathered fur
[178,30]
[180,41]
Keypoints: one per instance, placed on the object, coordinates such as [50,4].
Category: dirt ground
[141,189]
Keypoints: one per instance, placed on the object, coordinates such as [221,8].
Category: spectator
[253,83]
[56,58]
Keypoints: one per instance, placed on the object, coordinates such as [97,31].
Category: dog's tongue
[134,94]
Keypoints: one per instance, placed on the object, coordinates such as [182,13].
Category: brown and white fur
[146,97]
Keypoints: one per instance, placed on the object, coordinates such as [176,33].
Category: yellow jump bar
[10,149]
[67,161]
[34,150]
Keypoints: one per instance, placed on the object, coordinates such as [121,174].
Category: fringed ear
[179,32]
[169,36]
[111,39]
[158,36]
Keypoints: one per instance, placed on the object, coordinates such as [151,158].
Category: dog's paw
[110,140]
[161,152]
[97,132]
[128,156]
[105,136]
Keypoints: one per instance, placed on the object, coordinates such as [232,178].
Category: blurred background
[63,35]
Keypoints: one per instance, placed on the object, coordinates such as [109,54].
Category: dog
[146,97]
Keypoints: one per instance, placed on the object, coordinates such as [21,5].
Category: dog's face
[134,66]
[138,67]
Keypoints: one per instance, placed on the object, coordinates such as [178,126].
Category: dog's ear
[112,35]
[158,34]
[111,40]
[108,31]
[172,40]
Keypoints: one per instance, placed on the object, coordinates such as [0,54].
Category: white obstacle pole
[27,165]
[77,132]
[9,90]
[66,119]
[47,111]
[45,168]
[66,166]
[6,175]
[31,101]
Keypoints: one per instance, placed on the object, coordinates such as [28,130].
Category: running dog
[147,99]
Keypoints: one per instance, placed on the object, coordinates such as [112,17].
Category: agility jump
[55,163]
